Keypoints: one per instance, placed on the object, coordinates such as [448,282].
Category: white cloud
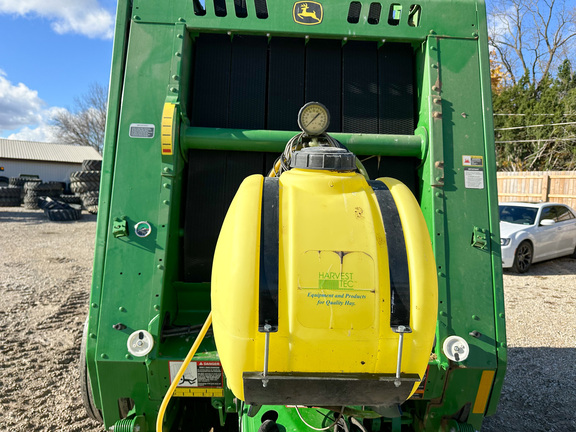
[86,17]
[23,115]
[42,133]
[19,105]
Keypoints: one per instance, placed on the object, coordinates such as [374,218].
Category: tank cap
[456,348]
[140,343]
[324,158]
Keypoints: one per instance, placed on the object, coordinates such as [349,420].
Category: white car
[532,232]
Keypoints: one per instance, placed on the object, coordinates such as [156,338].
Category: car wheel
[523,257]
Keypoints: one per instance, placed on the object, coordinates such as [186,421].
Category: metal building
[51,162]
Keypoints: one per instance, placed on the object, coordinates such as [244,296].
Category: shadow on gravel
[538,392]
[38,217]
[556,267]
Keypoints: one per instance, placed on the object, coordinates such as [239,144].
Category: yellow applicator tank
[336,335]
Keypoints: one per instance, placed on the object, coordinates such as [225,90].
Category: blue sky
[50,53]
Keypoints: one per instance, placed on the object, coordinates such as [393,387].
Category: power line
[541,114]
[532,126]
[536,140]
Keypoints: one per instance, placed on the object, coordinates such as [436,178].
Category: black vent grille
[248,82]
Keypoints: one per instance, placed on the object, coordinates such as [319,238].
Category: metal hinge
[480,238]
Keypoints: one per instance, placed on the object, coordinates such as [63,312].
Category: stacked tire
[86,184]
[59,211]
[10,196]
[35,190]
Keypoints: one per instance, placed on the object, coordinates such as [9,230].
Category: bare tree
[85,125]
[532,37]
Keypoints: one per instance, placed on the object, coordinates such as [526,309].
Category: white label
[198,374]
[473,178]
[141,130]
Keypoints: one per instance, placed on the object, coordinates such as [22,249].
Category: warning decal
[473,171]
[475,161]
[201,378]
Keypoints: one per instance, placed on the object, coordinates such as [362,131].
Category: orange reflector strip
[483,392]
[167,129]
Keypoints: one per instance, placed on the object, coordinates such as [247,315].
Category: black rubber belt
[269,244]
[397,257]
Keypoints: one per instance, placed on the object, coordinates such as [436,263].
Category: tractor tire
[63,214]
[29,182]
[91,165]
[523,257]
[82,186]
[94,193]
[85,176]
[10,202]
[70,199]
[93,209]
[9,192]
[31,203]
[89,201]
[43,187]
[85,386]
[16,181]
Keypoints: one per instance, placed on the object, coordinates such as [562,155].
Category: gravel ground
[45,270]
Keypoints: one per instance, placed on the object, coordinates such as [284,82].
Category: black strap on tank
[397,258]
[269,244]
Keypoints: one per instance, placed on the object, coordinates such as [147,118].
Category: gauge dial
[314,118]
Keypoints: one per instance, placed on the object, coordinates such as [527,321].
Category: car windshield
[518,214]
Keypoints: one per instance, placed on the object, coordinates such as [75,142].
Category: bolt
[94,305]
[160,267]
[119,326]
[166,202]
[156,307]
[122,309]
[181,19]
[267,327]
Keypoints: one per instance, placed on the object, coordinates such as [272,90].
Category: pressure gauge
[314,118]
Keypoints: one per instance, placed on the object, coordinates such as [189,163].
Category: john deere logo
[308,12]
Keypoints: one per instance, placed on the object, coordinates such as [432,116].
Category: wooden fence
[553,186]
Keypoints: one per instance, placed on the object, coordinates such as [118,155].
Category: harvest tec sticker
[473,172]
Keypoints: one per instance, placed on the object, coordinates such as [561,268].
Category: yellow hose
[187,360]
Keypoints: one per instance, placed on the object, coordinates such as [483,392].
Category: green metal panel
[137,281]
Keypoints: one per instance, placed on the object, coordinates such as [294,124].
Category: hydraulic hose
[187,360]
